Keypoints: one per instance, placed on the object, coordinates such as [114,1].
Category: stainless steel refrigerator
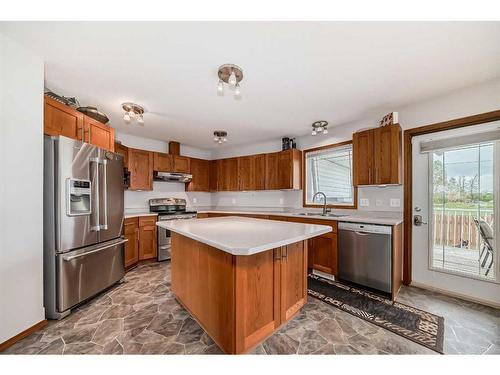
[83,220]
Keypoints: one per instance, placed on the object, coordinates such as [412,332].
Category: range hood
[172,177]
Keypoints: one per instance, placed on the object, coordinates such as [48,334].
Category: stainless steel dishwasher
[365,255]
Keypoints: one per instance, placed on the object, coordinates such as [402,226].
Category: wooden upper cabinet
[123,151]
[387,151]
[98,134]
[252,172]
[140,164]
[182,164]
[163,162]
[59,119]
[200,169]
[377,156]
[283,170]
[213,175]
[227,172]
[362,150]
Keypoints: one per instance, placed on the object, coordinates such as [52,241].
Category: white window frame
[319,203]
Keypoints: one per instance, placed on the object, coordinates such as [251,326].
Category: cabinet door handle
[277,254]
[284,253]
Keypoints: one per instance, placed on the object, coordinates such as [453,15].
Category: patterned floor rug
[419,326]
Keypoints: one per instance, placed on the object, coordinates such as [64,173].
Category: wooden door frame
[408,204]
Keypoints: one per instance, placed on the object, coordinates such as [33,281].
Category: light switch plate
[395,202]
[281,200]
[233,201]
[378,202]
[364,202]
[195,200]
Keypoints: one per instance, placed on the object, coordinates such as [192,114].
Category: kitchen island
[240,278]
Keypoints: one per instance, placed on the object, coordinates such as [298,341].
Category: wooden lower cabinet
[239,300]
[147,238]
[131,233]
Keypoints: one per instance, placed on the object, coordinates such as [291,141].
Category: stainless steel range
[168,209]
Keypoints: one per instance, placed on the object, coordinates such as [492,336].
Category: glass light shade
[232,79]
[237,91]
[140,120]
[224,139]
[220,141]
[220,87]
[325,131]
[216,139]
[131,114]
[319,130]
[126,117]
[313,132]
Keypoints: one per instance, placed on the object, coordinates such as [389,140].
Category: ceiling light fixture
[232,75]
[133,111]
[220,136]
[319,127]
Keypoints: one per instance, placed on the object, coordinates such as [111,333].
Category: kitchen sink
[319,214]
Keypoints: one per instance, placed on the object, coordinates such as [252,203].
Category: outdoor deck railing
[455,227]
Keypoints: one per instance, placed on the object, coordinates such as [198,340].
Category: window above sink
[328,169]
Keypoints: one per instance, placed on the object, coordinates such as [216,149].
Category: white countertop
[129,214]
[244,236]
[354,216]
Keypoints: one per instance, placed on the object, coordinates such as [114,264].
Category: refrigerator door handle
[94,217]
[104,163]
[68,258]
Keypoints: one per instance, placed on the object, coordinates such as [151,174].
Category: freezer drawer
[365,255]
[85,272]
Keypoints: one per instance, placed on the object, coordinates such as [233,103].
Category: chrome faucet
[325,210]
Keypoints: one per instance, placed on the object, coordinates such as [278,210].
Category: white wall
[21,189]
[465,102]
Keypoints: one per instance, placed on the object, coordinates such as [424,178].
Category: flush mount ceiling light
[232,75]
[133,111]
[319,127]
[220,136]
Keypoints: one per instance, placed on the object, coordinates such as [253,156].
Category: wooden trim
[38,326]
[408,199]
[304,204]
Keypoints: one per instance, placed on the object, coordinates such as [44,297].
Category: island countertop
[244,236]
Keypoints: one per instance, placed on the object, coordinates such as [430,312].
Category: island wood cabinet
[283,170]
[131,233]
[200,169]
[140,165]
[377,156]
[243,299]
[60,119]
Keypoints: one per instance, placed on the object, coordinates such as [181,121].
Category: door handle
[94,217]
[417,220]
[68,258]
[104,163]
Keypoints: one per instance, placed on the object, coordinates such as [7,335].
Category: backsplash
[379,198]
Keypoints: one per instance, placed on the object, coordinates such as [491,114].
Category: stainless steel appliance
[365,255]
[172,177]
[168,209]
[83,219]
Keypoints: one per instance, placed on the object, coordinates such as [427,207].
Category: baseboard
[456,295]
[4,345]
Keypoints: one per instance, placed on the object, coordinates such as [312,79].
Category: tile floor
[141,316]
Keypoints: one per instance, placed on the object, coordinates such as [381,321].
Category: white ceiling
[294,72]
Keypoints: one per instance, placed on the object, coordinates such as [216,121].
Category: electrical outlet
[195,200]
[233,201]
[364,202]
[281,200]
[395,202]
[378,202]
